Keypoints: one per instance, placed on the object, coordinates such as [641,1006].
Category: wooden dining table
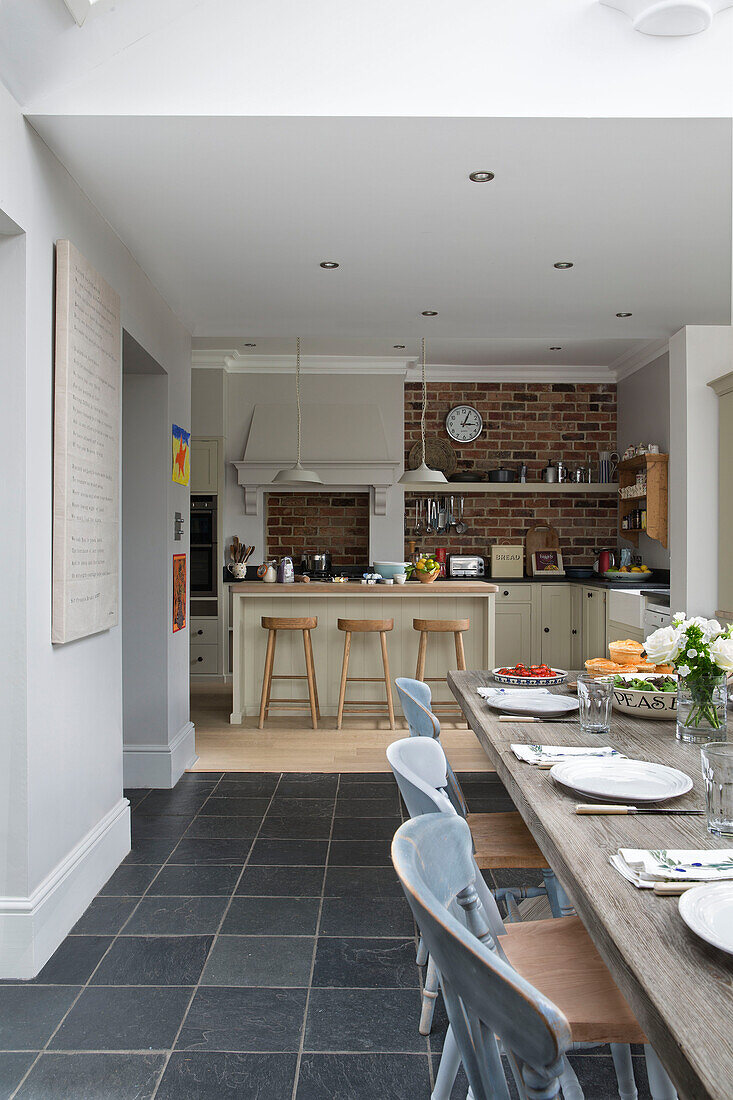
[680,988]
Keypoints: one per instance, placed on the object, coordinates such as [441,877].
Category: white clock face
[464,424]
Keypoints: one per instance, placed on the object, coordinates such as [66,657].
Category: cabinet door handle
[199,631]
[547,630]
[505,592]
[575,632]
[199,659]
[590,595]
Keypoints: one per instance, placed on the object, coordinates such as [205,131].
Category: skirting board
[32,928]
[160,765]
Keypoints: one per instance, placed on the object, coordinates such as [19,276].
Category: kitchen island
[473,600]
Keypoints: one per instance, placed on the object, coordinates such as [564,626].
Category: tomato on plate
[538,671]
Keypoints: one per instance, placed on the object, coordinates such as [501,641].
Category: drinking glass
[595,697]
[717,774]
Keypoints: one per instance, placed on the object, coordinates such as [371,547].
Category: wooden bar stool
[456,627]
[365,626]
[273,625]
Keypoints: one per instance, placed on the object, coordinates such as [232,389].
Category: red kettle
[604,561]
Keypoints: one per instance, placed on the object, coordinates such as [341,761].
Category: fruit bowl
[427,578]
[627,578]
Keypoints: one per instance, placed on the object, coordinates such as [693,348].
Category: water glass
[717,774]
[595,698]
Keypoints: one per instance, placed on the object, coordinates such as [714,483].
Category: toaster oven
[466,565]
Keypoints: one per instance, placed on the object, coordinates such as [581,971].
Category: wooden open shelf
[457,488]
[656,495]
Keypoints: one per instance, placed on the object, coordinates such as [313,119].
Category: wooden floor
[288,744]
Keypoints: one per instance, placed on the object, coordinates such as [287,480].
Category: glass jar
[702,709]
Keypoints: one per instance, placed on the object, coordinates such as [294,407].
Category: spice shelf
[656,467]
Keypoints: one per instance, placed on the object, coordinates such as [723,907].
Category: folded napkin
[512,695]
[554,754]
[644,867]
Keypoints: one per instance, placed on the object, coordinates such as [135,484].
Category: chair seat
[364,626]
[559,958]
[441,626]
[270,622]
[503,840]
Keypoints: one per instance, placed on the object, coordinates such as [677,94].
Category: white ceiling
[231,216]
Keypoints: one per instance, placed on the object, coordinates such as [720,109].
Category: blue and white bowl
[559,677]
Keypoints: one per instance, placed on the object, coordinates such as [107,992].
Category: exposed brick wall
[338,522]
[523,422]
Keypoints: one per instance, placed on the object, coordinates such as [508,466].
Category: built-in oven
[204,556]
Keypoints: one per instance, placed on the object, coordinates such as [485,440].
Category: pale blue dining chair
[494,1004]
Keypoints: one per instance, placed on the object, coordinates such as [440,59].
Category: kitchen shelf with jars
[642,489]
[533,487]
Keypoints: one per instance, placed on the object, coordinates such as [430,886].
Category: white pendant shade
[423,475]
[670,17]
[296,475]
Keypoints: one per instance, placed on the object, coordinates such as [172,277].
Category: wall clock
[464,423]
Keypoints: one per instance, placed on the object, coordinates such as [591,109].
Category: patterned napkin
[644,867]
[512,695]
[555,754]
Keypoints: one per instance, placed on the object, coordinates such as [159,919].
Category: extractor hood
[346,444]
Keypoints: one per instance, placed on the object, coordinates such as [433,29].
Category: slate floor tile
[127,1018]
[256,786]
[366,828]
[162,825]
[366,917]
[597,1077]
[359,853]
[307,786]
[349,807]
[105,916]
[202,1076]
[191,879]
[384,788]
[296,828]
[12,1069]
[224,826]
[73,960]
[236,805]
[363,1077]
[487,804]
[362,882]
[93,1077]
[129,880]
[202,851]
[174,802]
[350,778]
[135,795]
[364,1020]
[366,963]
[244,1020]
[176,916]
[150,850]
[30,1013]
[154,960]
[296,882]
[259,961]
[282,806]
[271,916]
[311,853]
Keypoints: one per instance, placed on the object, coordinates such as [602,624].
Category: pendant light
[296,475]
[423,475]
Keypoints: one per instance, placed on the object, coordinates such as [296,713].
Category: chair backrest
[484,996]
[419,766]
[415,698]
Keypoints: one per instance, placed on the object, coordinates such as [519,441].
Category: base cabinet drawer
[512,593]
[204,631]
[204,659]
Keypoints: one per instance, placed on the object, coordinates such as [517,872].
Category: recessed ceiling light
[481,177]
[250,345]
[563,265]
[328,264]
[623,314]
[399,347]
[430,313]
[556,349]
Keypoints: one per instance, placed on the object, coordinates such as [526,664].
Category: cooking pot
[319,561]
[466,476]
[501,474]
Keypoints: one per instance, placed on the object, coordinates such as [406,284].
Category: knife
[611,809]
[673,889]
[517,718]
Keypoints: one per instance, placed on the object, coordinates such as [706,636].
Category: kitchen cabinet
[576,626]
[204,465]
[513,632]
[555,637]
[594,622]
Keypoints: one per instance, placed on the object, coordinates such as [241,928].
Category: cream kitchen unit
[559,624]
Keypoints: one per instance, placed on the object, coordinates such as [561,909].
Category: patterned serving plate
[559,677]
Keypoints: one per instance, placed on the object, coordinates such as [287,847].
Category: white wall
[697,355]
[76,827]
[643,417]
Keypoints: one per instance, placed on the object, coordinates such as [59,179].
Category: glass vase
[702,709]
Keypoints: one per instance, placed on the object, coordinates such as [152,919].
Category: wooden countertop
[356,588]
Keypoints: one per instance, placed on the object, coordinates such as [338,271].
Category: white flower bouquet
[702,652]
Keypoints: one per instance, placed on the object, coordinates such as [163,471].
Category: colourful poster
[181,455]
[179,592]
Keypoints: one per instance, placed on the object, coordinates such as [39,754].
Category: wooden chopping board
[540,537]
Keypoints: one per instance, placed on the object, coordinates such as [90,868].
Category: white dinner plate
[708,911]
[551,706]
[623,781]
